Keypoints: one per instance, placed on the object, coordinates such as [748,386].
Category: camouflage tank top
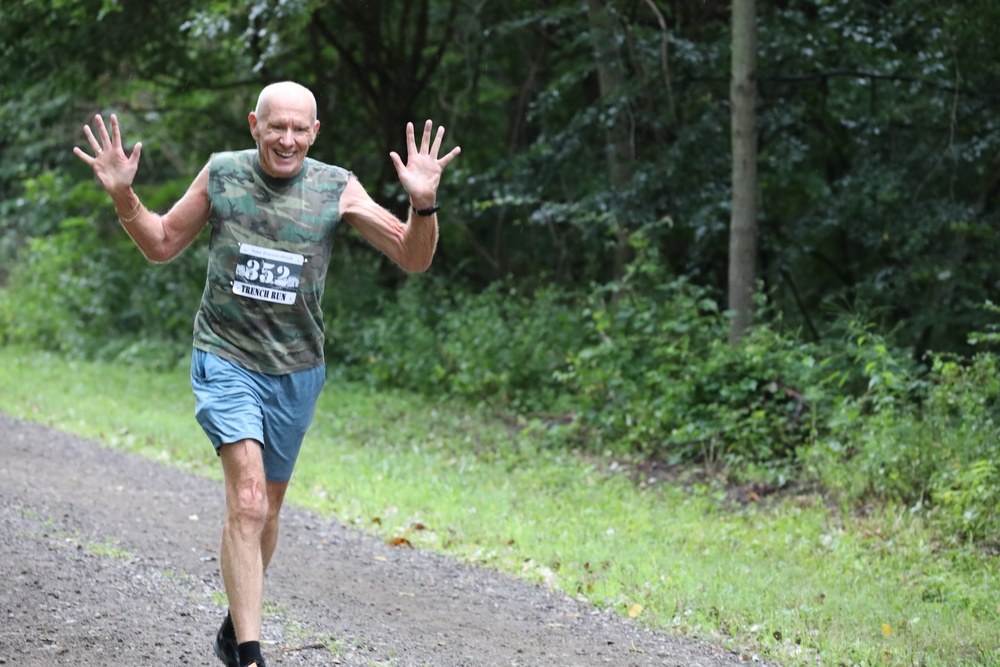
[268,256]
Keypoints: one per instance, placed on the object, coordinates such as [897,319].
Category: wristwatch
[426,211]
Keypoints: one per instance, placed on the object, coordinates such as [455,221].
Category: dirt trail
[110,559]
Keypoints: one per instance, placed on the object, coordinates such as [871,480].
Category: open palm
[421,174]
[113,168]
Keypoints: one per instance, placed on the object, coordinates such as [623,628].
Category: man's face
[285,130]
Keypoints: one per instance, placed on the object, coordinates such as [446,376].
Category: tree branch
[664,63]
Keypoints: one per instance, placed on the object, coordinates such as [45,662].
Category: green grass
[798,582]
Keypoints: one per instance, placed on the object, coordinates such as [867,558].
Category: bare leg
[269,539]
[242,533]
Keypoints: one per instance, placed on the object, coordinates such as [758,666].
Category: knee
[249,507]
[246,490]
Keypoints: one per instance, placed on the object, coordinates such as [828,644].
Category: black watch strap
[427,211]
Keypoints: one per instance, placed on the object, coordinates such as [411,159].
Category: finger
[397,162]
[105,139]
[436,148]
[425,141]
[136,152]
[116,136]
[92,139]
[411,144]
[452,154]
[84,156]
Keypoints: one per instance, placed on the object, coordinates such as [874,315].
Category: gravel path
[110,559]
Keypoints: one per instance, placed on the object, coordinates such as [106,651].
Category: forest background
[580,283]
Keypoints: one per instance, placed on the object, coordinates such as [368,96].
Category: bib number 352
[267,274]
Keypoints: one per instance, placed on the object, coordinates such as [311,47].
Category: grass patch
[796,582]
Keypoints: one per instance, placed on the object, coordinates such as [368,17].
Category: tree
[611,79]
[743,225]
[878,176]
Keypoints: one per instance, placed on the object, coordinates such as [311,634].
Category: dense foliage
[580,272]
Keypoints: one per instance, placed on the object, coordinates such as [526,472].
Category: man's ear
[315,133]
[254,132]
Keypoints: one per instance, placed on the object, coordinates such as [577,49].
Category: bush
[640,365]
[658,376]
[501,345]
[79,285]
[963,413]
[877,386]
[922,438]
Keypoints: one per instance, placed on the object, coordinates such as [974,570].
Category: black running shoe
[225,644]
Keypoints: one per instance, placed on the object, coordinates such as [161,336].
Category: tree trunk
[743,223]
[617,147]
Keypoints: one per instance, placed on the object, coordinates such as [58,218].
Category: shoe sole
[219,653]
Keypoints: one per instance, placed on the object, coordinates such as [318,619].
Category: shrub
[80,286]
[963,413]
[922,438]
[657,375]
[501,345]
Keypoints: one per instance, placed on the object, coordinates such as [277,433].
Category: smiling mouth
[285,155]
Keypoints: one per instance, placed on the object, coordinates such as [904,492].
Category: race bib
[268,275]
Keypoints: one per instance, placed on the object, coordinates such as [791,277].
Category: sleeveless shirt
[268,256]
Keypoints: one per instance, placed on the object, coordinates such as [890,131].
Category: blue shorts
[232,404]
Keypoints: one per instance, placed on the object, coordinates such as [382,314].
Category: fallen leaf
[419,526]
[886,629]
[377,520]
[400,542]
[634,610]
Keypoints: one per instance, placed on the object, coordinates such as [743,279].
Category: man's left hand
[421,174]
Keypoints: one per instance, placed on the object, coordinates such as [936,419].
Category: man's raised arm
[412,245]
[160,237]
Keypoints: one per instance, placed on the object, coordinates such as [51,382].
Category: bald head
[284,126]
[284,91]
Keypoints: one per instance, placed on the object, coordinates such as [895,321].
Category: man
[258,366]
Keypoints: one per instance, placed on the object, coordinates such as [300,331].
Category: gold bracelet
[132,215]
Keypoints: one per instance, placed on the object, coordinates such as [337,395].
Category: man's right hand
[161,238]
[113,168]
